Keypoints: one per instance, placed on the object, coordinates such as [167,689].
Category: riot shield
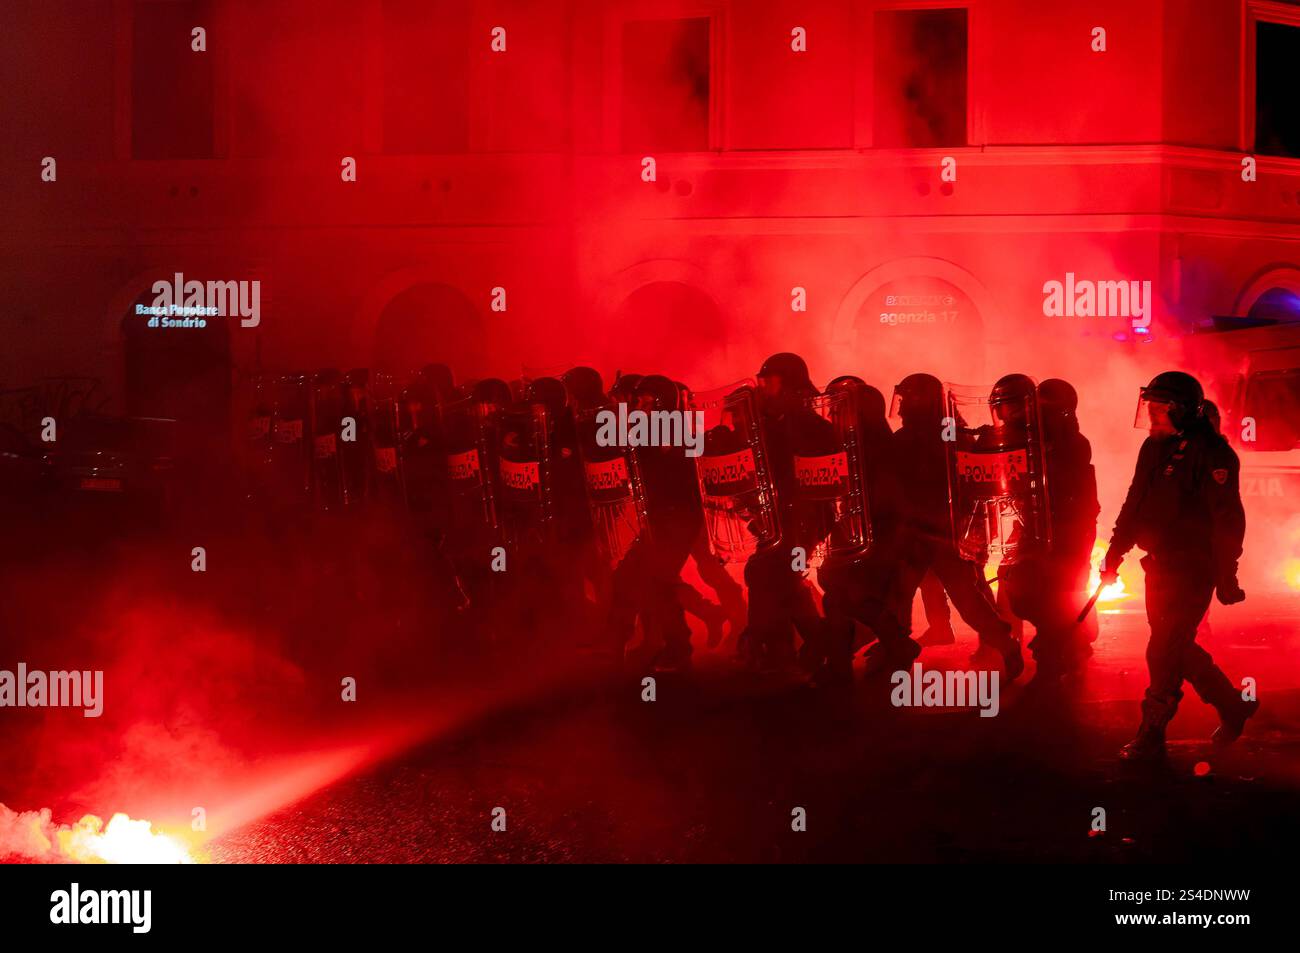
[330,488]
[356,453]
[525,495]
[830,496]
[258,445]
[469,476]
[419,452]
[739,497]
[387,473]
[615,493]
[290,428]
[997,475]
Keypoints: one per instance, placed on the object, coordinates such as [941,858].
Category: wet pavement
[223,691]
[716,766]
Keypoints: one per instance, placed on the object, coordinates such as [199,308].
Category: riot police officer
[646,580]
[1044,583]
[919,453]
[623,390]
[585,387]
[473,531]
[1072,484]
[861,589]
[569,558]
[781,596]
[357,453]
[1184,508]
[421,442]
[573,520]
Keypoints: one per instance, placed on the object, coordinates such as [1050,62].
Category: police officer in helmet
[861,590]
[1184,508]
[921,460]
[646,580]
[1045,583]
[780,597]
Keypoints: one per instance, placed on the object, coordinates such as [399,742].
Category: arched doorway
[915,314]
[668,327]
[427,323]
[180,372]
[920,323]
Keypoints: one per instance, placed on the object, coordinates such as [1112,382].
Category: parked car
[119,466]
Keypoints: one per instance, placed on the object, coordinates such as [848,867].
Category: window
[1277,108]
[296,87]
[53,66]
[665,93]
[426,70]
[171,83]
[920,78]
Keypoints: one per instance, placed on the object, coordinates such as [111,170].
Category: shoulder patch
[1220,476]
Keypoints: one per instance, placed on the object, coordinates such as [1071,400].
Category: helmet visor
[1010,411]
[1154,412]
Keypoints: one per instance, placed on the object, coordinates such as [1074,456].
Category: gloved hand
[1109,574]
[1230,592]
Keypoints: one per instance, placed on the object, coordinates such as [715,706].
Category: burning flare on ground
[1291,572]
[1291,563]
[123,841]
[31,835]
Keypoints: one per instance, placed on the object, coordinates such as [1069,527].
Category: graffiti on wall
[62,398]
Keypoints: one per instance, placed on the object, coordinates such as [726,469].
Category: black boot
[1149,745]
[895,655]
[1233,721]
[1217,690]
[1008,648]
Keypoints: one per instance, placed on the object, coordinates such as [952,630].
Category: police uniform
[861,590]
[927,540]
[646,580]
[781,597]
[1184,508]
[1046,586]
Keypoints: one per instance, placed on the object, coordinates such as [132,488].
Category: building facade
[686,186]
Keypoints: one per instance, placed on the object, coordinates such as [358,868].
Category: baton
[1083,613]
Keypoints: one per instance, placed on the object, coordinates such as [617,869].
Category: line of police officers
[530,512]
